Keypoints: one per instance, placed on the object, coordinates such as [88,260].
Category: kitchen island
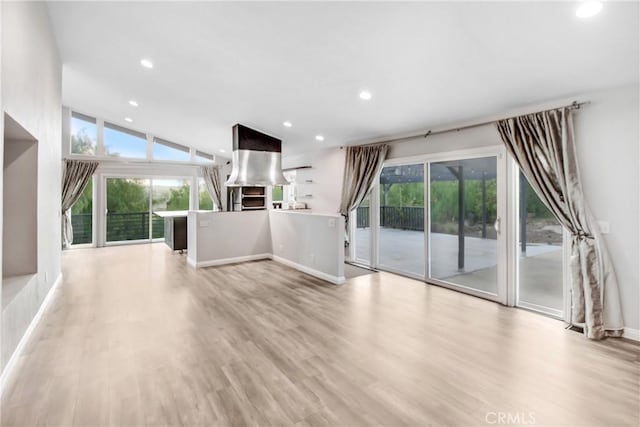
[175,229]
[307,241]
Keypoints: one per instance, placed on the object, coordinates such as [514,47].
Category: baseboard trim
[192,263]
[632,334]
[233,260]
[336,280]
[13,360]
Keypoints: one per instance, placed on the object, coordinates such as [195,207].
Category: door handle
[496,225]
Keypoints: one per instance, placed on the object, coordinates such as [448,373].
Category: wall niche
[20,201]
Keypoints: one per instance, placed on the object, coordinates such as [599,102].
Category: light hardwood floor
[135,337]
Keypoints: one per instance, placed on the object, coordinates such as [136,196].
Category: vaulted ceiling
[260,64]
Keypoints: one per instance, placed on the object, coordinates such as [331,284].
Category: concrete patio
[403,250]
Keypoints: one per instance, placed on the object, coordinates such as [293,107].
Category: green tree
[84,204]
[82,143]
[178,199]
[205,202]
[127,195]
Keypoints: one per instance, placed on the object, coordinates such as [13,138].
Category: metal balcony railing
[121,226]
[402,217]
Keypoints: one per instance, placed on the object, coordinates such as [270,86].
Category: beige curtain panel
[362,166]
[543,145]
[75,177]
[211,175]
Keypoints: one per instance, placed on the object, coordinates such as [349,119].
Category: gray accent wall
[31,75]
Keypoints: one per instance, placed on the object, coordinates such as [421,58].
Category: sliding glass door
[401,226]
[438,220]
[540,254]
[441,219]
[131,203]
[168,195]
[128,206]
[464,219]
[361,237]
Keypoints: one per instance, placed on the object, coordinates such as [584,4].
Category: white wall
[607,139]
[216,237]
[312,240]
[1,180]
[469,138]
[31,94]
[325,174]
[309,242]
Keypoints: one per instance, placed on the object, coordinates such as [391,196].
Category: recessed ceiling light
[223,151]
[366,95]
[128,119]
[146,63]
[133,103]
[287,124]
[319,138]
[588,8]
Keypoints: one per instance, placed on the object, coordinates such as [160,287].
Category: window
[285,193]
[277,193]
[122,142]
[84,134]
[165,150]
[82,216]
[133,202]
[168,195]
[92,137]
[204,157]
[205,202]
[128,209]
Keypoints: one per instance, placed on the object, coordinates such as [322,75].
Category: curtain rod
[575,105]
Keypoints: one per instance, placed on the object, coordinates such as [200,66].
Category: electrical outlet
[204,224]
[46,277]
[281,247]
[332,222]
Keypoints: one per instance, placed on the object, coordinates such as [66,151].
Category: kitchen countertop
[171,214]
[305,212]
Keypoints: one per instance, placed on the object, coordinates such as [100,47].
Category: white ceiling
[427,64]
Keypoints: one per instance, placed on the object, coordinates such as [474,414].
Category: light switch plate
[604,227]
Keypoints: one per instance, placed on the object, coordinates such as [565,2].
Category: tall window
[82,217]
[205,202]
[123,142]
[84,134]
[165,150]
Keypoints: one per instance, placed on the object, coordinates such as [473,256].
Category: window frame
[150,140]
[142,136]
[89,119]
[172,145]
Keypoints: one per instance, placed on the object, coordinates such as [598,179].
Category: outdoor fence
[402,217]
[120,226]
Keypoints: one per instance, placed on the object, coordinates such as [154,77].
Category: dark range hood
[256,160]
